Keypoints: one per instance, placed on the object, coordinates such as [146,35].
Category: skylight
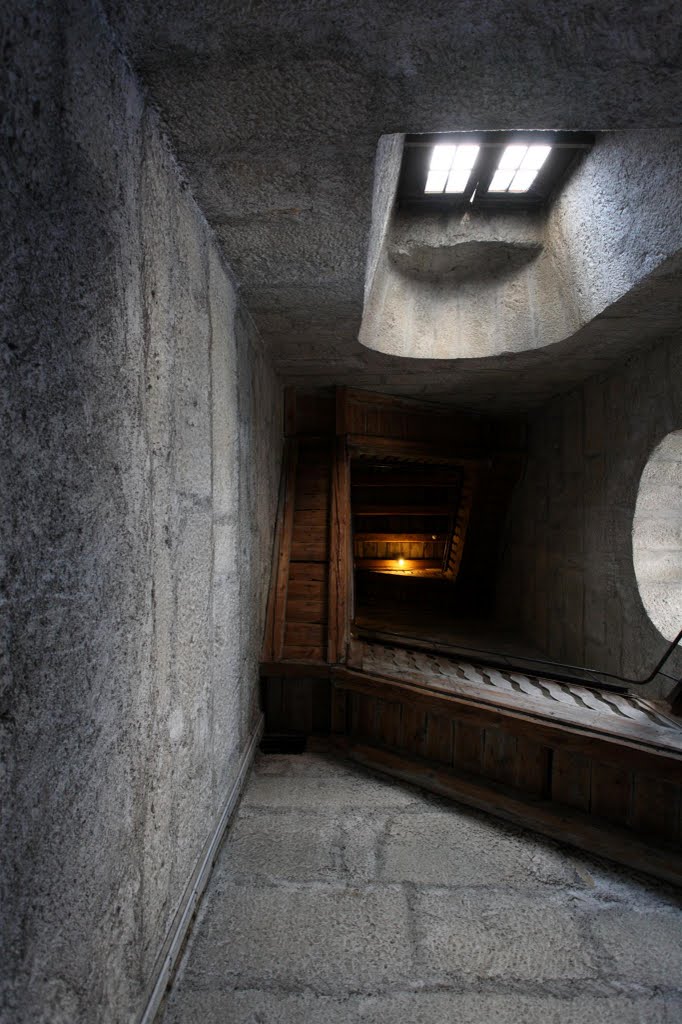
[450,169]
[515,169]
[518,168]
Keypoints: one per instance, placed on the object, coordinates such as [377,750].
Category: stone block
[498,934]
[329,939]
[457,847]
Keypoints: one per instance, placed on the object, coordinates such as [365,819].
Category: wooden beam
[276,643]
[419,451]
[340,556]
[628,745]
[402,510]
[395,477]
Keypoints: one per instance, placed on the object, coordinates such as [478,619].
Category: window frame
[567,148]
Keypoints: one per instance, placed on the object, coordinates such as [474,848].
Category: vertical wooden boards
[340,556]
[571,779]
[656,808]
[274,639]
[296,706]
[611,792]
[306,614]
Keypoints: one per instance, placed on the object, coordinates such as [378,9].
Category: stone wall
[568,575]
[141,439]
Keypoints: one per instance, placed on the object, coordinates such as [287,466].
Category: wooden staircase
[599,768]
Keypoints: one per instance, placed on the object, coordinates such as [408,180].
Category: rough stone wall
[140,464]
[568,573]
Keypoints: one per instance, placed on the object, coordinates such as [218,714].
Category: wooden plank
[269,632]
[499,756]
[433,509]
[276,643]
[363,715]
[306,610]
[611,792]
[413,450]
[655,808]
[310,519]
[468,753]
[304,652]
[387,723]
[309,552]
[413,729]
[562,823]
[571,779]
[469,683]
[365,476]
[310,590]
[312,572]
[305,634]
[339,711]
[290,668]
[613,749]
[340,556]
[439,739]
[532,767]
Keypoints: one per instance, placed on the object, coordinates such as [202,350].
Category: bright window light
[450,168]
[435,181]
[518,168]
[442,157]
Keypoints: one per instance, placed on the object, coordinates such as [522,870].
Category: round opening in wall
[657,536]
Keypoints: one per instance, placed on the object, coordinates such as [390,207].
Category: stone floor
[339,896]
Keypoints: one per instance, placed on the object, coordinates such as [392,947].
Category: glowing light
[518,168]
[401,561]
[450,168]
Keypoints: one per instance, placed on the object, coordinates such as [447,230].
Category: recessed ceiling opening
[487,169]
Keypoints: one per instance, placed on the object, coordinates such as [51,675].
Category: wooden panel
[302,652]
[611,792]
[363,715]
[438,746]
[655,808]
[339,711]
[276,643]
[413,729]
[532,767]
[571,779]
[468,753]
[311,572]
[310,546]
[306,610]
[304,634]
[340,563]
[296,705]
[306,589]
[309,519]
[499,756]
[388,723]
[609,748]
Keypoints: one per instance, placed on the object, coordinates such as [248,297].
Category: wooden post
[340,561]
[277,601]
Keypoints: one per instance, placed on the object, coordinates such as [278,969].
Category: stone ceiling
[275,111]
